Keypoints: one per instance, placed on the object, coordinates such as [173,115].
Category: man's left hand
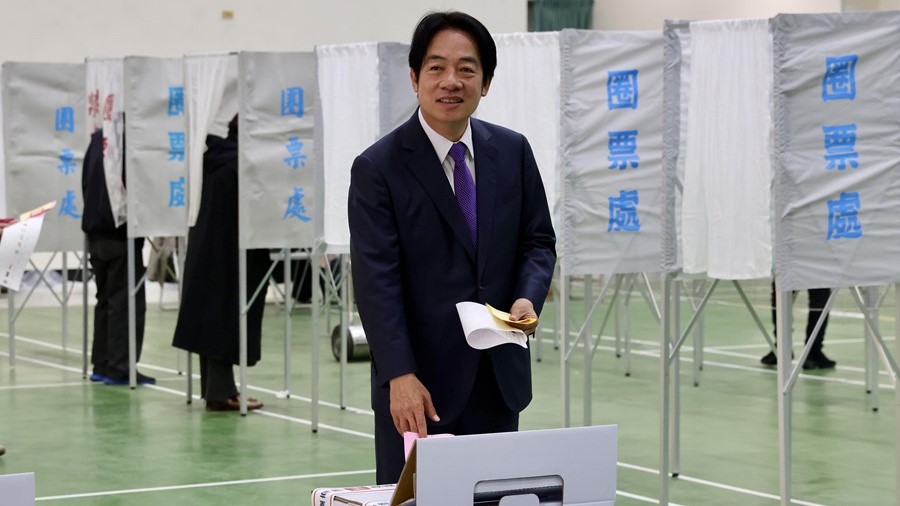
[523,309]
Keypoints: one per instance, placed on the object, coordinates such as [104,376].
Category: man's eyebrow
[437,57]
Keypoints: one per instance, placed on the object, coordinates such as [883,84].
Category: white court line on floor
[714,484]
[643,498]
[203,485]
[372,471]
[760,370]
[180,375]
[369,436]
[653,352]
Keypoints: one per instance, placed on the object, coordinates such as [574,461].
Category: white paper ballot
[16,246]
[483,331]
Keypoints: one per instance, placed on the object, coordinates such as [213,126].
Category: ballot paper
[483,331]
[17,244]
[367,495]
[410,437]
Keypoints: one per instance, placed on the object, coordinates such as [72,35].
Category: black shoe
[818,360]
[142,379]
[769,359]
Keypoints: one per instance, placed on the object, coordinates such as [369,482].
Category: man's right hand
[410,404]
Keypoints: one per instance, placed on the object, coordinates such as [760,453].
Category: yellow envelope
[504,317]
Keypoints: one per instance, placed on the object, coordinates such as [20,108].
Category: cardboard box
[366,495]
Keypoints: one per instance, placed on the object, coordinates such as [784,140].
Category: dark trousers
[818,297]
[109,259]
[217,380]
[485,413]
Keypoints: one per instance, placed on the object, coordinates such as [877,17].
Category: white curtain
[210,99]
[524,96]
[349,89]
[3,212]
[105,86]
[725,211]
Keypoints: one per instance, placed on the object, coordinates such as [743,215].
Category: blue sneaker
[141,380]
[96,378]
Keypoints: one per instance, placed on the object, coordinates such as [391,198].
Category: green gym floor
[91,444]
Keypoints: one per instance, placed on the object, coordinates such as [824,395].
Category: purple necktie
[465,189]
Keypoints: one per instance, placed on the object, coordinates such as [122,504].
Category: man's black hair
[434,22]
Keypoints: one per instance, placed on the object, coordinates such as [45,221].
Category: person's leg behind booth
[101,311]
[218,387]
[818,297]
[770,358]
[115,254]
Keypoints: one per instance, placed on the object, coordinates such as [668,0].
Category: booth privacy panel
[105,103]
[44,141]
[155,149]
[611,151]
[726,229]
[277,175]
[524,96]
[676,82]
[837,149]
[366,93]
[348,78]
[397,101]
[210,101]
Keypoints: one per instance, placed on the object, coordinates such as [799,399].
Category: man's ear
[484,90]
[415,82]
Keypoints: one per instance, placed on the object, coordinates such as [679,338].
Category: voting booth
[44,141]
[837,184]
[610,169]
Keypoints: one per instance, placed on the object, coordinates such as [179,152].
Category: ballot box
[17,489]
[554,467]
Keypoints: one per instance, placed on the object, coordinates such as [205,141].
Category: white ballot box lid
[576,464]
[17,489]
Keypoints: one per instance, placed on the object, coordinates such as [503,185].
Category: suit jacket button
[480,288]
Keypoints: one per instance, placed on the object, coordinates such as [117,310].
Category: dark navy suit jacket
[413,260]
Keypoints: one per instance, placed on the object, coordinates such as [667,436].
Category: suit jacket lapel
[486,167]
[425,167]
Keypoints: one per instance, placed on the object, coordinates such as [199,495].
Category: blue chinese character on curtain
[623,212]
[292,102]
[176,192]
[296,158]
[295,207]
[840,146]
[67,162]
[65,119]
[839,82]
[176,146]
[622,149]
[843,217]
[622,89]
[67,207]
[176,100]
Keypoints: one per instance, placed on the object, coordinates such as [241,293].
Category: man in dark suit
[446,209]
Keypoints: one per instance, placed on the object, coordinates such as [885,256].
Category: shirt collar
[441,144]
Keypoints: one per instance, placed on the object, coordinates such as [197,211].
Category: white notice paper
[483,331]
[16,245]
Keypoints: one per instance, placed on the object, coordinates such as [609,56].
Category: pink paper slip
[409,437]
